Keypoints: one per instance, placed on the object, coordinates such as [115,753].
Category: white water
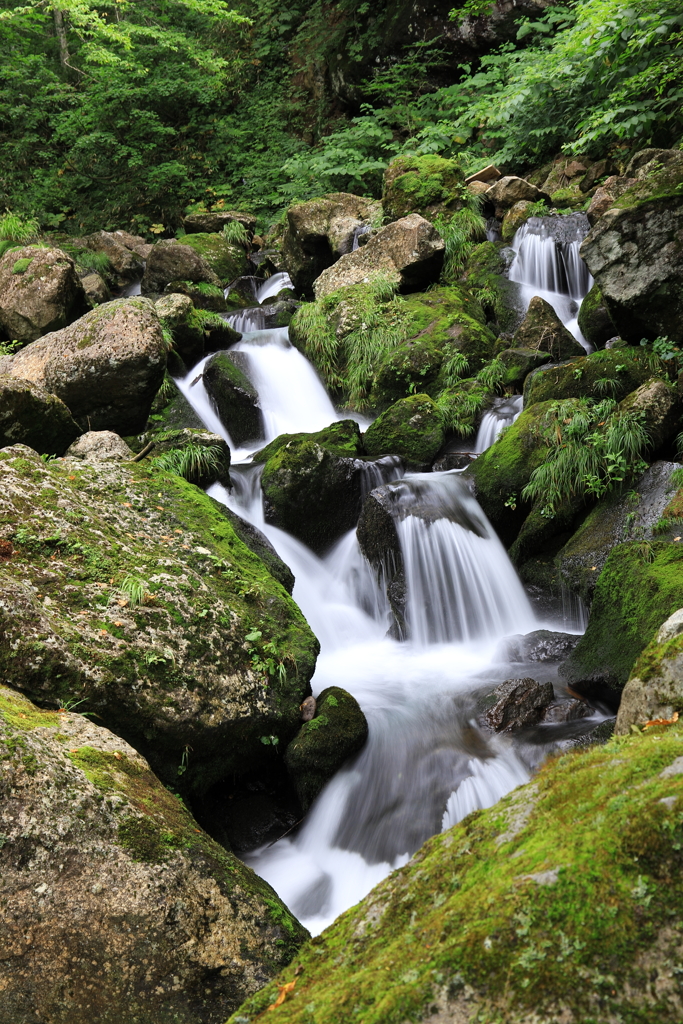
[272,286]
[548,264]
[502,413]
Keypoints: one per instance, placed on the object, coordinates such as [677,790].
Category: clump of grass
[193,462]
[134,589]
[236,233]
[460,231]
[592,447]
[14,228]
[461,401]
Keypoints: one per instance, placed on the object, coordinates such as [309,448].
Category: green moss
[21,266]
[342,438]
[640,586]
[421,184]
[557,903]
[612,373]
[662,187]
[227,261]
[411,428]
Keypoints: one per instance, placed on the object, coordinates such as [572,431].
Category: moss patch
[411,428]
[612,373]
[421,184]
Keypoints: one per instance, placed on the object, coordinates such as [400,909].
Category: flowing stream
[427,762]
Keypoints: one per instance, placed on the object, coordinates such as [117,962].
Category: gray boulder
[543,645]
[655,687]
[170,261]
[606,195]
[195,332]
[30,415]
[410,251]
[107,367]
[509,190]
[126,264]
[96,290]
[39,292]
[543,331]
[100,446]
[209,223]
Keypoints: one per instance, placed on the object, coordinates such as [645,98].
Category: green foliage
[592,447]
[194,462]
[134,589]
[14,228]
[236,233]
[21,266]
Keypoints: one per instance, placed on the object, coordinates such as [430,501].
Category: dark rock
[519,363]
[30,415]
[324,744]
[234,397]
[543,645]
[595,322]
[257,542]
[125,265]
[204,475]
[661,408]
[566,711]
[169,261]
[517,703]
[40,292]
[542,330]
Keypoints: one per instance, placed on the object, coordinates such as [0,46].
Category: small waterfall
[134,288]
[502,413]
[362,229]
[272,286]
[548,264]
[488,782]
[247,320]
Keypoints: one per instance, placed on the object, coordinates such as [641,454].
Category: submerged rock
[411,428]
[325,742]
[102,865]
[39,292]
[234,397]
[106,367]
[130,589]
[32,416]
[441,937]
[542,330]
[409,252]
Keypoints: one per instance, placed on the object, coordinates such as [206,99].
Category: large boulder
[635,254]
[410,252]
[542,330]
[610,373]
[195,331]
[323,744]
[117,906]
[521,912]
[125,264]
[129,590]
[411,428]
[227,261]
[509,190]
[518,363]
[312,483]
[216,221]
[30,415]
[170,261]
[606,195]
[107,367]
[428,185]
[40,292]
[655,687]
[319,231]
[100,446]
[595,322]
[234,397]
[660,405]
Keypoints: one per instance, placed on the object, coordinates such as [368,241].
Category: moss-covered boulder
[204,294]
[412,428]
[234,397]
[519,363]
[228,261]
[635,253]
[106,367]
[422,184]
[116,906]
[557,904]
[595,322]
[654,690]
[660,405]
[542,329]
[199,456]
[30,415]
[194,331]
[39,292]
[312,483]
[640,586]
[215,220]
[128,589]
[611,373]
[515,217]
[485,274]
[125,264]
[170,260]
[322,745]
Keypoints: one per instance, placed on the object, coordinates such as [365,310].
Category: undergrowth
[193,462]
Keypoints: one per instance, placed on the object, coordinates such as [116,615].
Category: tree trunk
[60,32]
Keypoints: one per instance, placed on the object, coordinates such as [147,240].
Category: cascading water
[502,413]
[427,761]
[548,264]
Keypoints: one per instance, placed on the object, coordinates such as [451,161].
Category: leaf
[284,992]
[662,721]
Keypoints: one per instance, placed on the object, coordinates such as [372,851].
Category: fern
[193,462]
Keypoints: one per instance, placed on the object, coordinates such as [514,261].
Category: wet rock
[410,251]
[411,428]
[320,231]
[100,446]
[661,408]
[613,373]
[324,744]
[594,320]
[131,590]
[125,264]
[257,542]
[509,190]
[195,331]
[234,397]
[106,367]
[312,483]
[517,703]
[635,254]
[39,292]
[96,290]
[618,517]
[519,363]
[427,185]
[216,221]
[30,415]
[542,330]
[543,645]
[566,711]
[227,260]
[170,261]
[203,474]
[107,843]
[254,821]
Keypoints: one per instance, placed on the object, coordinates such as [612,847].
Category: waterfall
[488,782]
[548,264]
[272,286]
[502,413]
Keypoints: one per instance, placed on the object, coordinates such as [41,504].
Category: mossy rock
[234,398]
[611,373]
[640,586]
[204,294]
[323,745]
[595,323]
[654,690]
[206,473]
[130,589]
[195,331]
[569,198]
[486,274]
[519,363]
[514,218]
[227,261]
[30,415]
[558,903]
[108,843]
[421,184]
[312,483]
[411,428]
[542,329]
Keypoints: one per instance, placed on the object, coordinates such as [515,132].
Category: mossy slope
[560,904]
